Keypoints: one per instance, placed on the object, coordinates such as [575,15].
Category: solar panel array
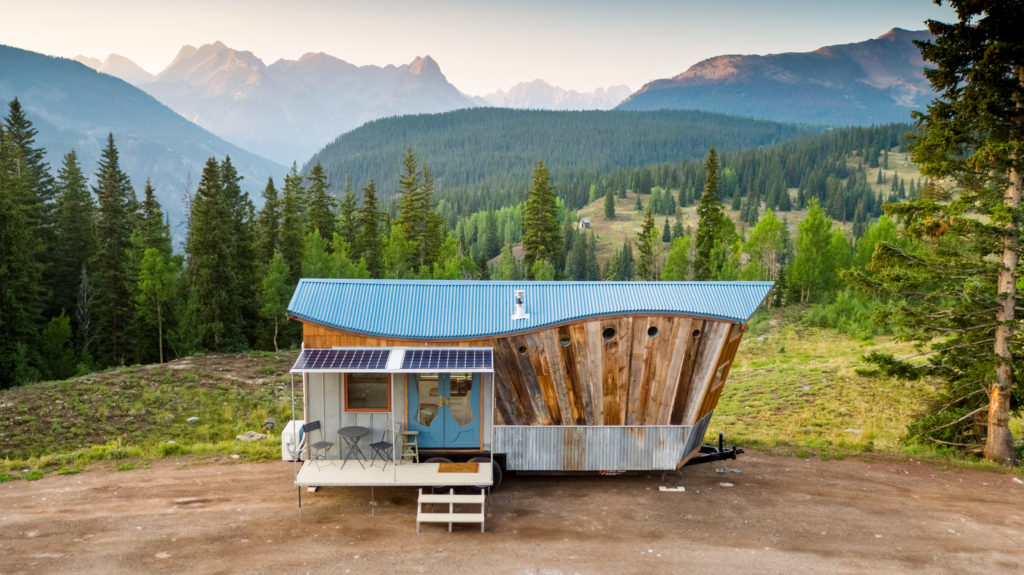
[342,359]
[448,359]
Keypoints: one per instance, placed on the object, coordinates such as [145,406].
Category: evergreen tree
[75,239]
[541,237]
[710,215]
[293,223]
[150,233]
[319,204]
[593,268]
[347,216]
[316,257]
[957,292]
[20,272]
[677,230]
[609,205]
[369,241]
[507,268]
[666,235]
[220,261]
[491,241]
[624,265]
[647,243]
[113,306]
[268,224]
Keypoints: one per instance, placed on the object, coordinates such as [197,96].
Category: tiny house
[532,376]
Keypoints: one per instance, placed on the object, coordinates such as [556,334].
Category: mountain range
[288,110]
[872,82]
[539,95]
[74,107]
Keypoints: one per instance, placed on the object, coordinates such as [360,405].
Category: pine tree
[666,234]
[293,223]
[20,272]
[609,205]
[113,306]
[971,134]
[541,237]
[75,239]
[347,220]
[369,242]
[709,223]
[624,265]
[647,238]
[319,204]
[491,241]
[268,224]
[677,230]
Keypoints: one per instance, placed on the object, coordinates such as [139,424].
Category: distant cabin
[552,376]
[584,223]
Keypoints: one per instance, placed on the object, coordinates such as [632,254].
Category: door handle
[440,402]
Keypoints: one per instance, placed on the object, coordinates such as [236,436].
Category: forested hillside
[493,150]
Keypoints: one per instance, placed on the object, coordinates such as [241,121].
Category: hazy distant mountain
[73,106]
[539,95]
[871,82]
[119,67]
[290,109]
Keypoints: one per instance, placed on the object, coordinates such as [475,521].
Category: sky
[481,45]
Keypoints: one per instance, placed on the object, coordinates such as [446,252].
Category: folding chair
[383,448]
[318,449]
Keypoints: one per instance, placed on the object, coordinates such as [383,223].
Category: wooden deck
[330,473]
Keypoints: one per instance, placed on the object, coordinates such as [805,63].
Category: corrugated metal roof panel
[425,309]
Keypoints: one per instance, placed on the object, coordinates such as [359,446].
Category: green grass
[132,415]
[807,391]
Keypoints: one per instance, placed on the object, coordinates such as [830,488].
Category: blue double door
[445,409]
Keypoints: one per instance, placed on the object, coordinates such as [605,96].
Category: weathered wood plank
[556,365]
[610,353]
[578,370]
[570,368]
[595,369]
[639,373]
[512,395]
[661,409]
[711,347]
[531,379]
[689,365]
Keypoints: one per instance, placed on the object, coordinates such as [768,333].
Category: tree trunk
[999,445]
[160,331]
[275,335]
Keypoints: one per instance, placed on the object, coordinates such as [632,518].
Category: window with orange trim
[367,392]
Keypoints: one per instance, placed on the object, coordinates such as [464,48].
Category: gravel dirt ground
[780,515]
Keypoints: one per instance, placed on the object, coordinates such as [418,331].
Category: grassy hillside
[141,412]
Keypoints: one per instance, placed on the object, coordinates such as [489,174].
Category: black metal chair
[317,450]
[383,448]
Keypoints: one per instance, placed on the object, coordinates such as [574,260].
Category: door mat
[457,467]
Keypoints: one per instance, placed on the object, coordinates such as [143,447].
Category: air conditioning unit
[293,441]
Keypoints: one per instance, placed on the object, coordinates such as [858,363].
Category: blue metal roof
[425,309]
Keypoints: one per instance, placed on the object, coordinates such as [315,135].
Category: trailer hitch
[711,453]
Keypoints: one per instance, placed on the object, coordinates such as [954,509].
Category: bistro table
[351,435]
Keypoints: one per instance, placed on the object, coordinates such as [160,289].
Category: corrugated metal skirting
[591,448]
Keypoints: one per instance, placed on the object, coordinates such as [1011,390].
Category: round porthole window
[609,332]
[652,331]
[522,349]
[564,341]
[696,333]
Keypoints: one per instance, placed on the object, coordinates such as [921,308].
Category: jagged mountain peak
[425,66]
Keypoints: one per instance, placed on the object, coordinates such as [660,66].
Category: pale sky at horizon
[481,46]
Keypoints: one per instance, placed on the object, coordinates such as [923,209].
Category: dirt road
[780,515]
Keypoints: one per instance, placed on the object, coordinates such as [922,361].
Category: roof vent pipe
[519,311]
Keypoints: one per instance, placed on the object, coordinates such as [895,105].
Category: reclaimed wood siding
[623,370]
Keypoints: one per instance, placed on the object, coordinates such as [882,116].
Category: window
[367,392]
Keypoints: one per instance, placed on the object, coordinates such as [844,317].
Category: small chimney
[520,306]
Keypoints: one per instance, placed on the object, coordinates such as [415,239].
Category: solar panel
[342,359]
[447,359]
